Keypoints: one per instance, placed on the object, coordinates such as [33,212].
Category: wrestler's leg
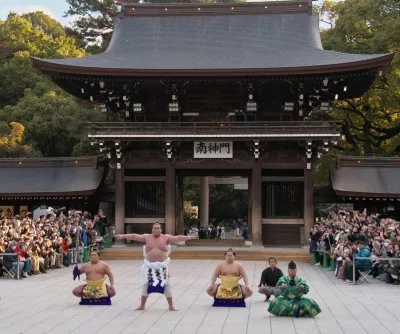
[78,290]
[110,291]
[168,295]
[212,290]
[143,298]
[142,305]
[247,292]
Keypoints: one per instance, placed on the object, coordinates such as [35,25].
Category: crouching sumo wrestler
[229,292]
[95,291]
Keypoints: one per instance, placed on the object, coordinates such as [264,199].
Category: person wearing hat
[291,302]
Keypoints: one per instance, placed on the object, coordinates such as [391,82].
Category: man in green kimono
[291,302]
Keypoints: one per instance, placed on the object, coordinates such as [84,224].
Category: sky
[54,8]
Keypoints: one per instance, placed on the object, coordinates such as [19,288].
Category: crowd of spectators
[343,235]
[53,240]
[224,229]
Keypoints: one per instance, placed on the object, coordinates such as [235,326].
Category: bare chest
[95,270]
[159,243]
[230,269]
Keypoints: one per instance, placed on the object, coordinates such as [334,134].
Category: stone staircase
[251,253]
[228,243]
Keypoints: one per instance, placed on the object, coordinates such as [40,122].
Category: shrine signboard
[212,150]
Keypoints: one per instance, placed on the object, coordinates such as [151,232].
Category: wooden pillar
[308,204]
[249,210]
[179,214]
[119,201]
[256,213]
[204,201]
[170,189]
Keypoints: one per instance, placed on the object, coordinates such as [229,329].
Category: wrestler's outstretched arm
[133,236]
[172,239]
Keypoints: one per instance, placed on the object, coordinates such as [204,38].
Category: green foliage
[16,75]
[38,35]
[11,135]
[54,123]
[191,189]
[93,24]
[225,201]
[371,123]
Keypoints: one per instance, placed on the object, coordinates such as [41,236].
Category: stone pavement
[44,304]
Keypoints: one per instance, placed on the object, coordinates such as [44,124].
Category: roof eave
[365,194]
[51,194]
[382,62]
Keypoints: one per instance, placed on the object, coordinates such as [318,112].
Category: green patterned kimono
[290,302]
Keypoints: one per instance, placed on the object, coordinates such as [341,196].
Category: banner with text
[215,150]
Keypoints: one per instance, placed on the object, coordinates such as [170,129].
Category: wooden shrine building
[368,182]
[216,90]
[29,183]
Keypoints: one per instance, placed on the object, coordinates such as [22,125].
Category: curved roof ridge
[131,8]
[217,45]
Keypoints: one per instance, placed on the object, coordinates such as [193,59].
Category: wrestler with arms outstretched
[156,259]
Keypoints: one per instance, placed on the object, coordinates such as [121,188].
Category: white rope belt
[156,271]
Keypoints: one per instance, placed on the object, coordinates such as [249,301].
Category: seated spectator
[11,261]
[360,264]
[393,271]
[269,278]
[38,241]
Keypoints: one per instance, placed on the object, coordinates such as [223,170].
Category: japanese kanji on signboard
[214,150]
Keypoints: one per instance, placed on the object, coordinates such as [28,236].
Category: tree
[94,23]
[11,135]
[93,26]
[225,201]
[371,123]
[24,36]
[38,35]
[54,123]
[16,75]
[228,202]
[368,26]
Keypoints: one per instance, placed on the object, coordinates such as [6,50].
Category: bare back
[95,272]
[156,247]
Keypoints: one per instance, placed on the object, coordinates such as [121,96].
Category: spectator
[245,233]
[101,223]
[360,264]
[11,261]
[340,231]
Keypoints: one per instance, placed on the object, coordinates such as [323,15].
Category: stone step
[216,242]
[213,253]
